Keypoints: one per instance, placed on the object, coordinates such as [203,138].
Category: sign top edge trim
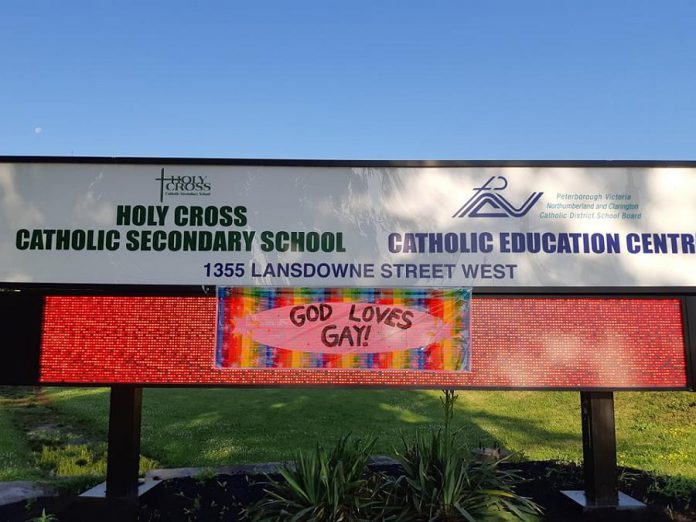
[271,162]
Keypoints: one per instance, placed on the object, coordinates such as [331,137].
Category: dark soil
[223,497]
[545,480]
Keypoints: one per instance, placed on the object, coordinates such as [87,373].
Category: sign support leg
[123,458]
[117,500]
[599,448]
[599,455]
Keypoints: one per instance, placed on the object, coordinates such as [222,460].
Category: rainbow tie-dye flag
[353,328]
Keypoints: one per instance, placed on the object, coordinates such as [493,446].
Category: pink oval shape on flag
[342,328]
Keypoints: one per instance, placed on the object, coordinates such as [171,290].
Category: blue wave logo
[488,203]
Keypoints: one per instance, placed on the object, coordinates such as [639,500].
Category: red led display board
[544,343]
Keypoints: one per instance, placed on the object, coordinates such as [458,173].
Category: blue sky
[362,80]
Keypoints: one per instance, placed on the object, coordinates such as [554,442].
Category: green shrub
[331,486]
[441,482]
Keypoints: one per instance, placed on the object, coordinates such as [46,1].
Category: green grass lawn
[15,455]
[66,427]
[209,427]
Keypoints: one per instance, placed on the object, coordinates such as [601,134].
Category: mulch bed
[223,497]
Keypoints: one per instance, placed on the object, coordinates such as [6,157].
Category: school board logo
[177,185]
[487,202]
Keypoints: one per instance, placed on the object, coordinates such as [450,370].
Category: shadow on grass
[209,427]
[65,450]
[533,429]
[212,427]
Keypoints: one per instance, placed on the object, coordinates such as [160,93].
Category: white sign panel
[176,224]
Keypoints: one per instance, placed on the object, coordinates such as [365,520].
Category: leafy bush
[440,482]
[331,486]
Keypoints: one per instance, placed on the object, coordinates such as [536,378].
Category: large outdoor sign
[347,226]
[228,273]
